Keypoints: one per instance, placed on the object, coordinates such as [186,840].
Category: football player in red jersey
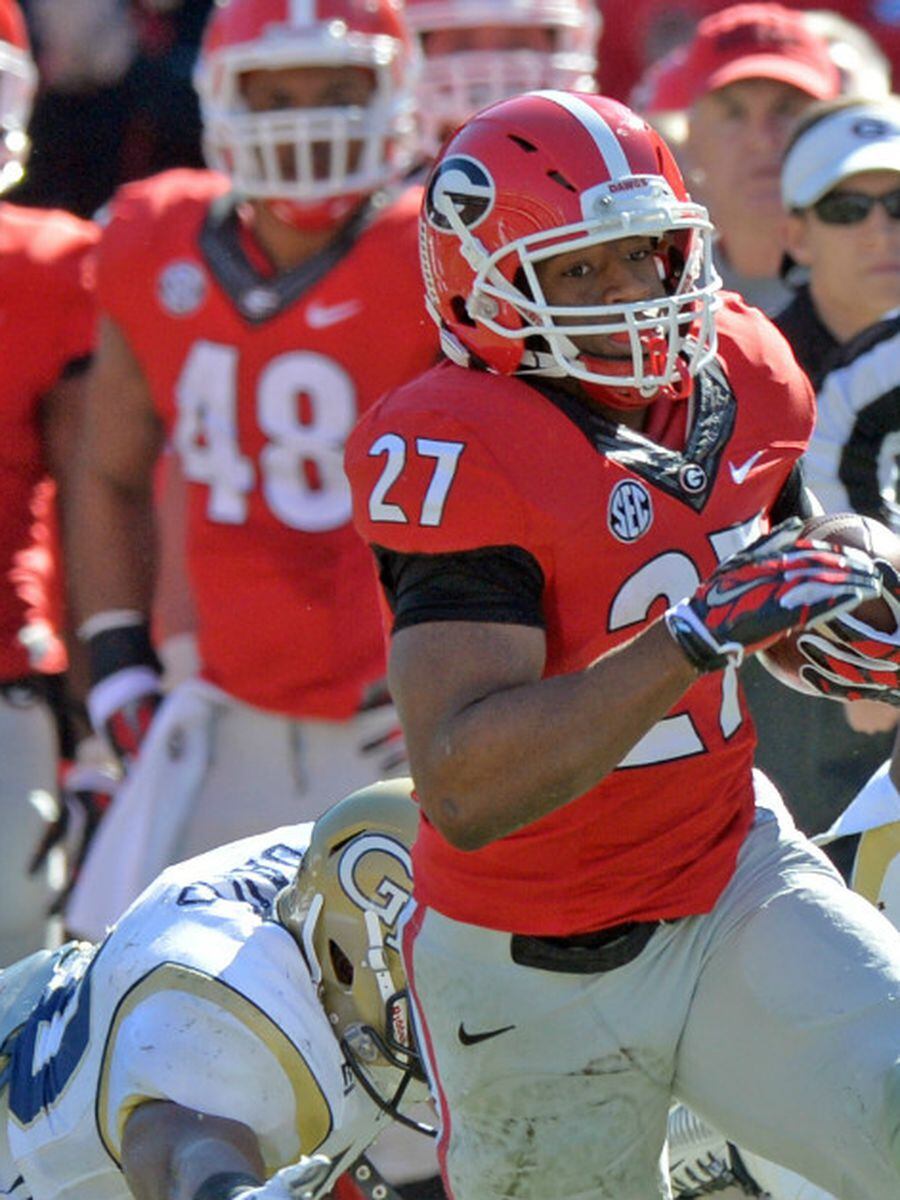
[47,322]
[583,521]
[250,313]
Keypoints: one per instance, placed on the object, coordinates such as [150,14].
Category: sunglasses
[849,208]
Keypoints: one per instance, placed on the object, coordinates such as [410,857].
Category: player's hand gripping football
[300,1181]
[780,582]
[855,661]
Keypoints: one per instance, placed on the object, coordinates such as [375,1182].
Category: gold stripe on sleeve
[314,1116]
[877,850]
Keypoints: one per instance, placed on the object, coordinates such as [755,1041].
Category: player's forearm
[111,547]
[170,1152]
[510,758]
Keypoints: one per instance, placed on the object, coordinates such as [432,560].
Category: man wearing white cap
[840,185]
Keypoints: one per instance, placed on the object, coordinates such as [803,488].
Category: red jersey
[258,380]
[46,323]
[621,528]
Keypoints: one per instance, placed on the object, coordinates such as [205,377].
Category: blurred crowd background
[116,102]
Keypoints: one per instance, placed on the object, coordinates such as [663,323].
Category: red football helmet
[276,156]
[457,83]
[544,174]
[18,80]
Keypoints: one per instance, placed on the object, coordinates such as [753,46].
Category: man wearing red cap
[752,68]
[637,34]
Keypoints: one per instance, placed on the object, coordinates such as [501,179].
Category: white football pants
[776,1017]
[29,756]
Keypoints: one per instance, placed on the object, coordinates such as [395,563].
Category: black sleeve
[793,500]
[502,584]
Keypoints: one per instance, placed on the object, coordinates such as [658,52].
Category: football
[783,659]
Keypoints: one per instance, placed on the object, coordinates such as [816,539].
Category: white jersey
[851,462]
[197,996]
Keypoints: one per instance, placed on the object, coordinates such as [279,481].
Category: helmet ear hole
[460,312]
[341,964]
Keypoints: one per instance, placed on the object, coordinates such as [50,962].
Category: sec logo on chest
[630,511]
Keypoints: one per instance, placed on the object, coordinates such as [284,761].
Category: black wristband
[114,650]
[224,1185]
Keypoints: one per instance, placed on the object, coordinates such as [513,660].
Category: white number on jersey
[446,459]
[673,576]
[300,468]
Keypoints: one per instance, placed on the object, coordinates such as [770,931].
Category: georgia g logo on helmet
[370,883]
[463,183]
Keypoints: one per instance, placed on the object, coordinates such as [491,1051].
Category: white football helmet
[275,156]
[456,84]
[18,81]
[343,908]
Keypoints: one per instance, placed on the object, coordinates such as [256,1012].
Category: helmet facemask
[18,81]
[666,340]
[322,160]
[456,84]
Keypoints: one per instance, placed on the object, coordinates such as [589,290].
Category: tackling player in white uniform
[242,1015]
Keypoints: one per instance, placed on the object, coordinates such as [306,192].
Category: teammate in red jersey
[583,523]
[46,317]
[249,315]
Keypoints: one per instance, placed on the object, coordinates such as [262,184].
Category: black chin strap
[373,1185]
[371,1182]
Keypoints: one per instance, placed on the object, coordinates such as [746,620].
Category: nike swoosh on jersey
[471,1039]
[739,474]
[320,316]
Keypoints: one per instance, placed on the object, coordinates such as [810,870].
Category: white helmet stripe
[603,137]
[303,12]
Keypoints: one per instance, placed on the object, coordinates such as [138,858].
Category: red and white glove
[778,583]
[127,727]
[855,661]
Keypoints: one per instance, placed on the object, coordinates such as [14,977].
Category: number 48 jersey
[258,380]
[198,996]
[620,527]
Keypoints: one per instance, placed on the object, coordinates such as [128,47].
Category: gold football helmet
[343,908]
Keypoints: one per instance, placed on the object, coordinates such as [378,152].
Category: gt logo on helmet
[388,897]
[466,185]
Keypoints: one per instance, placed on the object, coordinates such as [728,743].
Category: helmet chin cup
[678,385]
[313,218]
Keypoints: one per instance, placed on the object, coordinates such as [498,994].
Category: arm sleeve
[502,584]
[793,500]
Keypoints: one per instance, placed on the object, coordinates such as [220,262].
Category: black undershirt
[497,584]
